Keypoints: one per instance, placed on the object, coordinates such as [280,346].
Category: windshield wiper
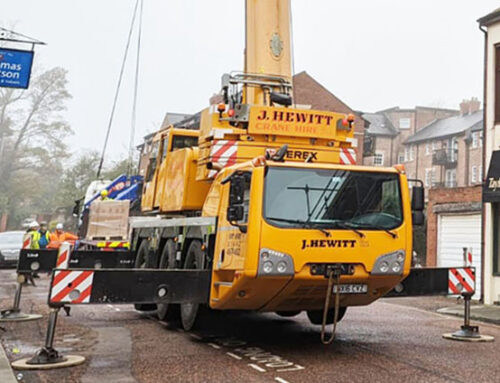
[311,225]
[373,226]
[349,226]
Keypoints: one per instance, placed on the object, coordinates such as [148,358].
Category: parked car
[10,246]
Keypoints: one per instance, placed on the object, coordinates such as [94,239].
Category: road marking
[234,355]
[197,337]
[255,367]
[281,380]
[214,345]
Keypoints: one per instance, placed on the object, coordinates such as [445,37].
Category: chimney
[464,107]
[474,105]
[469,106]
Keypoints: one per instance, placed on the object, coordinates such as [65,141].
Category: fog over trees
[39,173]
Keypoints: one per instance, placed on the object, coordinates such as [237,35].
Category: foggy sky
[371,54]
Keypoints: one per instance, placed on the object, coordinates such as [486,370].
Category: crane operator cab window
[152,161]
[181,142]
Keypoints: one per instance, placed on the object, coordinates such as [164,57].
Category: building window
[434,145]
[427,148]
[451,178]
[401,158]
[428,178]
[404,123]
[475,139]
[409,152]
[497,84]
[480,174]
[473,175]
[378,159]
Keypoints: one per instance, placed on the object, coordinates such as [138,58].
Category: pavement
[6,373]
[394,339]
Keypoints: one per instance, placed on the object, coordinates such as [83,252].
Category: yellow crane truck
[269,198]
[257,204]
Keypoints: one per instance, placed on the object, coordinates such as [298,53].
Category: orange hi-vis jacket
[57,238]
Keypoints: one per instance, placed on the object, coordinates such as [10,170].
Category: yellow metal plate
[293,122]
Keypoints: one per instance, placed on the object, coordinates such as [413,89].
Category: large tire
[316,316]
[141,262]
[168,312]
[194,260]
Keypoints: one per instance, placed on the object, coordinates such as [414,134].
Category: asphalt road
[384,342]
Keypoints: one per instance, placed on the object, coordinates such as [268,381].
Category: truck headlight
[274,263]
[389,264]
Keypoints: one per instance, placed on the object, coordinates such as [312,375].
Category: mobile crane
[281,200]
[260,205]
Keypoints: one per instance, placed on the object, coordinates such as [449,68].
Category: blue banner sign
[15,68]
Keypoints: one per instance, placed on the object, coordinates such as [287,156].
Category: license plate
[351,289]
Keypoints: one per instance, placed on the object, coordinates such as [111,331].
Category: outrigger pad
[69,361]
[12,316]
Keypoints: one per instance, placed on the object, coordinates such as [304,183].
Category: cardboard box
[108,220]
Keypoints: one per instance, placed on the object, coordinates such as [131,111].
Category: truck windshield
[332,199]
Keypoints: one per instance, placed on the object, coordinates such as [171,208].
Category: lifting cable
[117,91]
[134,104]
[332,274]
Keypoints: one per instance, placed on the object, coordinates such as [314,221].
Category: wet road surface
[384,342]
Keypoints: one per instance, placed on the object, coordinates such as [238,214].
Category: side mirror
[236,210]
[417,199]
[235,213]
[418,217]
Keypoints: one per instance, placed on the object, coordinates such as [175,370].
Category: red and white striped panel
[461,280]
[63,256]
[223,152]
[27,241]
[71,286]
[347,156]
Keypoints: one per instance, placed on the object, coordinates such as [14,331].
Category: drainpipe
[484,171]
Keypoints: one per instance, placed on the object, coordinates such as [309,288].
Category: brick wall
[438,196]
[307,91]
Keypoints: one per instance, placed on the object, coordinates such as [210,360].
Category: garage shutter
[454,233]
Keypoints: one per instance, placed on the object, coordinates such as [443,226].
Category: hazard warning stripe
[223,153]
[461,280]
[66,282]
[347,156]
[62,258]
[27,241]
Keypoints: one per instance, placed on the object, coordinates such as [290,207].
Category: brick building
[309,93]
[448,151]
[388,129]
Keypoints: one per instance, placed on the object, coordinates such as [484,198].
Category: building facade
[490,25]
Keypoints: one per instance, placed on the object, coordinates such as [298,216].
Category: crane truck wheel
[141,262]
[168,312]
[194,260]
[316,316]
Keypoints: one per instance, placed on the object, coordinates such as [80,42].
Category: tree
[32,147]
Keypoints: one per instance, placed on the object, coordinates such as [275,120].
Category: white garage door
[454,233]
